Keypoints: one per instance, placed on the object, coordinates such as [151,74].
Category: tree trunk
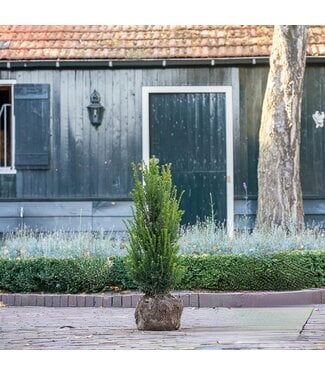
[279,188]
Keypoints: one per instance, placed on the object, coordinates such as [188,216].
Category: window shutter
[32,120]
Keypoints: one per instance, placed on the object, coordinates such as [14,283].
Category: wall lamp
[95,109]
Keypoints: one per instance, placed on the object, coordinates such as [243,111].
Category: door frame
[147,90]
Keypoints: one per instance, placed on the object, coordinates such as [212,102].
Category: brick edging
[190,299]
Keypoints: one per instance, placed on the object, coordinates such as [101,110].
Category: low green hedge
[280,271]
[56,275]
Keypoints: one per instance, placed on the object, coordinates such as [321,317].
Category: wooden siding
[7,185]
[312,138]
[95,164]
[252,87]
[68,216]
[245,212]
[89,165]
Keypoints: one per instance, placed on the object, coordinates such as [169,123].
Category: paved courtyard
[202,329]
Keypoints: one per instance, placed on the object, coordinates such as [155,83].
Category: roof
[142,42]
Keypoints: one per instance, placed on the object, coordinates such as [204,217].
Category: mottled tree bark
[279,188]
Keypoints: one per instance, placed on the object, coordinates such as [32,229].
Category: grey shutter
[32,119]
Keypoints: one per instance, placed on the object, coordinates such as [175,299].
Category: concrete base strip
[190,299]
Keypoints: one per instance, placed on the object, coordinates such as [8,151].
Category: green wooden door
[189,131]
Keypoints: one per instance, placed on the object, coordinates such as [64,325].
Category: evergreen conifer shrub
[154,231]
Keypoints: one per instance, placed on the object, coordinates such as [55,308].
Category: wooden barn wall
[312,149]
[252,88]
[94,165]
[88,166]
[89,163]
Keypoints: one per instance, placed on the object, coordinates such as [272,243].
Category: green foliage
[56,275]
[279,271]
[119,274]
[154,231]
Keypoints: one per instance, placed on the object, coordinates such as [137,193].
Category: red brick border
[190,299]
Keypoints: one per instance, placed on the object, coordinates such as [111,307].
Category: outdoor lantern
[95,109]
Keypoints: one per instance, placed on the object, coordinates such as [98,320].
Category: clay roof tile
[142,41]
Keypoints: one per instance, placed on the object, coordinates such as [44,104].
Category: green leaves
[154,231]
[280,271]
[84,274]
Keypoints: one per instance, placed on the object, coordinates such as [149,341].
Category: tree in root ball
[153,235]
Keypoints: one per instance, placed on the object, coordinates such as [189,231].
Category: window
[7,151]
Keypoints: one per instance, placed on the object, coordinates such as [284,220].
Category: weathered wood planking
[312,138]
[67,216]
[7,185]
[90,163]
[252,88]
[10,224]
[245,213]
[49,209]
[95,164]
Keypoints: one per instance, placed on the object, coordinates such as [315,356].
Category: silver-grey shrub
[27,244]
[202,238]
[208,238]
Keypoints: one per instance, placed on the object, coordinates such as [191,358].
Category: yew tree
[279,188]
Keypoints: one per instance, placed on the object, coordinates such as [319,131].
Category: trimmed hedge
[280,271]
[61,275]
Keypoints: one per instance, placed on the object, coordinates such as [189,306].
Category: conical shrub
[153,232]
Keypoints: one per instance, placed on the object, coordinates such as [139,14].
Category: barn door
[189,130]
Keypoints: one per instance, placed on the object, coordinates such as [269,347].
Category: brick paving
[34,327]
